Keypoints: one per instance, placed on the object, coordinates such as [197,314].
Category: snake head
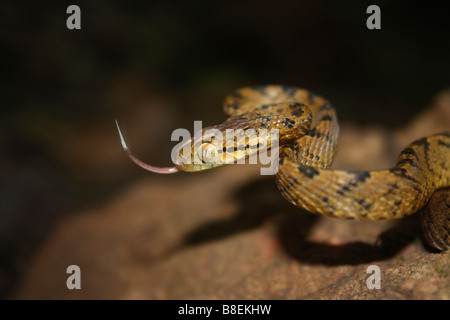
[210,148]
[218,146]
[202,152]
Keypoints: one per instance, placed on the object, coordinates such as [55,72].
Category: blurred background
[159,65]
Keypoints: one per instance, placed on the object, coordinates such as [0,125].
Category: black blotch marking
[401,172]
[393,185]
[408,161]
[311,96]
[314,133]
[346,188]
[361,176]
[309,172]
[230,149]
[367,207]
[296,149]
[325,199]
[268,105]
[444,144]
[417,189]
[236,94]
[261,89]
[326,117]
[296,105]
[236,104]
[298,112]
[325,107]
[409,151]
[288,90]
[420,142]
[287,187]
[426,148]
[306,152]
[292,183]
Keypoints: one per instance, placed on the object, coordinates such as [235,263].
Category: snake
[307,130]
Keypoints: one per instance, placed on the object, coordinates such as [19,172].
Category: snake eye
[207,152]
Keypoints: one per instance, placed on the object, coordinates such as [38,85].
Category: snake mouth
[143,165]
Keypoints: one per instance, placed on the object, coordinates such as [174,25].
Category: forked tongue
[161,170]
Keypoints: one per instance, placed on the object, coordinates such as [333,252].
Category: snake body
[308,133]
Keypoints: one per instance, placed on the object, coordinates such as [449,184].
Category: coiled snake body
[308,133]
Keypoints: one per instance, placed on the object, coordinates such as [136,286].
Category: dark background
[158,66]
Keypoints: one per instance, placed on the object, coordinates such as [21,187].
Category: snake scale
[308,133]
